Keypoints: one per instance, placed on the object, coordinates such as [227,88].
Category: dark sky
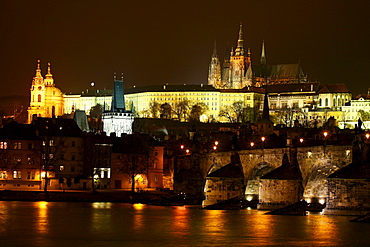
[157,42]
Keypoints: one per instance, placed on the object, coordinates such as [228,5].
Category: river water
[119,224]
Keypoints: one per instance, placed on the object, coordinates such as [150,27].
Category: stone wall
[348,197]
[274,194]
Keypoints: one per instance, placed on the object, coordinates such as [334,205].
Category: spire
[48,75]
[239,51]
[214,50]
[38,70]
[263,56]
[266,110]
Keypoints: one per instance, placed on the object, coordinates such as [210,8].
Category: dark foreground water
[118,224]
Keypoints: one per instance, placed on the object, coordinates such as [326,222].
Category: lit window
[51,142]
[3,145]
[16,174]
[17,145]
[61,168]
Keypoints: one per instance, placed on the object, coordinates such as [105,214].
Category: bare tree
[165,111]
[154,109]
[197,110]
[181,109]
[49,152]
[135,156]
[97,153]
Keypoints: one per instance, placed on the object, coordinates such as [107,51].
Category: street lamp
[263,152]
[325,135]
[301,141]
[367,136]
[252,144]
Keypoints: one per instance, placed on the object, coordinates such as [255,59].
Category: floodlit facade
[46,99]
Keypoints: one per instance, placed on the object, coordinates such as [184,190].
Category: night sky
[157,42]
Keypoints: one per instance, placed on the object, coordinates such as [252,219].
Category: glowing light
[309,153]
[182,146]
[308,200]
[322,201]
[367,135]
[300,140]
[263,138]
[249,198]
[216,143]
[252,144]
[348,152]
[187,151]
[214,148]
[138,206]
[325,134]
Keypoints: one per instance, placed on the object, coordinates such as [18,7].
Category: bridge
[316,163]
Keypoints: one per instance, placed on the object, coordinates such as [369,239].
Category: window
[39,97]
[155,178]
[72,168]
[73,143]
[73,157]
[3,145]
[31,145]
[17,174]
[51,142]
[17,145]
[61,168]
[62,156]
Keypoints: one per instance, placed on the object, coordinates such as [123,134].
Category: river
[121,224]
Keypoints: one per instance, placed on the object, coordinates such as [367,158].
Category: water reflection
[4,215]
[323,229]
[100,217]
[42,221]
[138,218]
[180,226]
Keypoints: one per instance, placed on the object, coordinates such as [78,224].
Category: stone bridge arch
[316,163]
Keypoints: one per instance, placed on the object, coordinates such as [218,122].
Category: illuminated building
[46,99]
[118,119]
[238,71]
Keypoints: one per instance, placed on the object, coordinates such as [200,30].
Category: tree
[49,152]
[154,109]
[197,111]
[364,115]
[135,156]
[181,109]
[234,112]
[95,118]
[165,111]
[97,153]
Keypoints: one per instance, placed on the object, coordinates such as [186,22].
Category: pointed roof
[266,109]
[263,56]
[334,88]
[288,170]
[239,51]
[118,99]
[49,75]
[228,171]
[38,70]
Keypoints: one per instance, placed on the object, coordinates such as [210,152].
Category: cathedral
[46,99]
[238,71]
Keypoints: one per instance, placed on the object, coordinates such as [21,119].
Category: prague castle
[235,93]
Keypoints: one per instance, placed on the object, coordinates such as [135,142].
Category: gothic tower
[214,72]
[46,99]
[118,120]
[239,63]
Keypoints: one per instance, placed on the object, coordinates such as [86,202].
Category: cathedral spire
[214,50]
[239,51]
[49,75]
[263,56]
[38,70]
